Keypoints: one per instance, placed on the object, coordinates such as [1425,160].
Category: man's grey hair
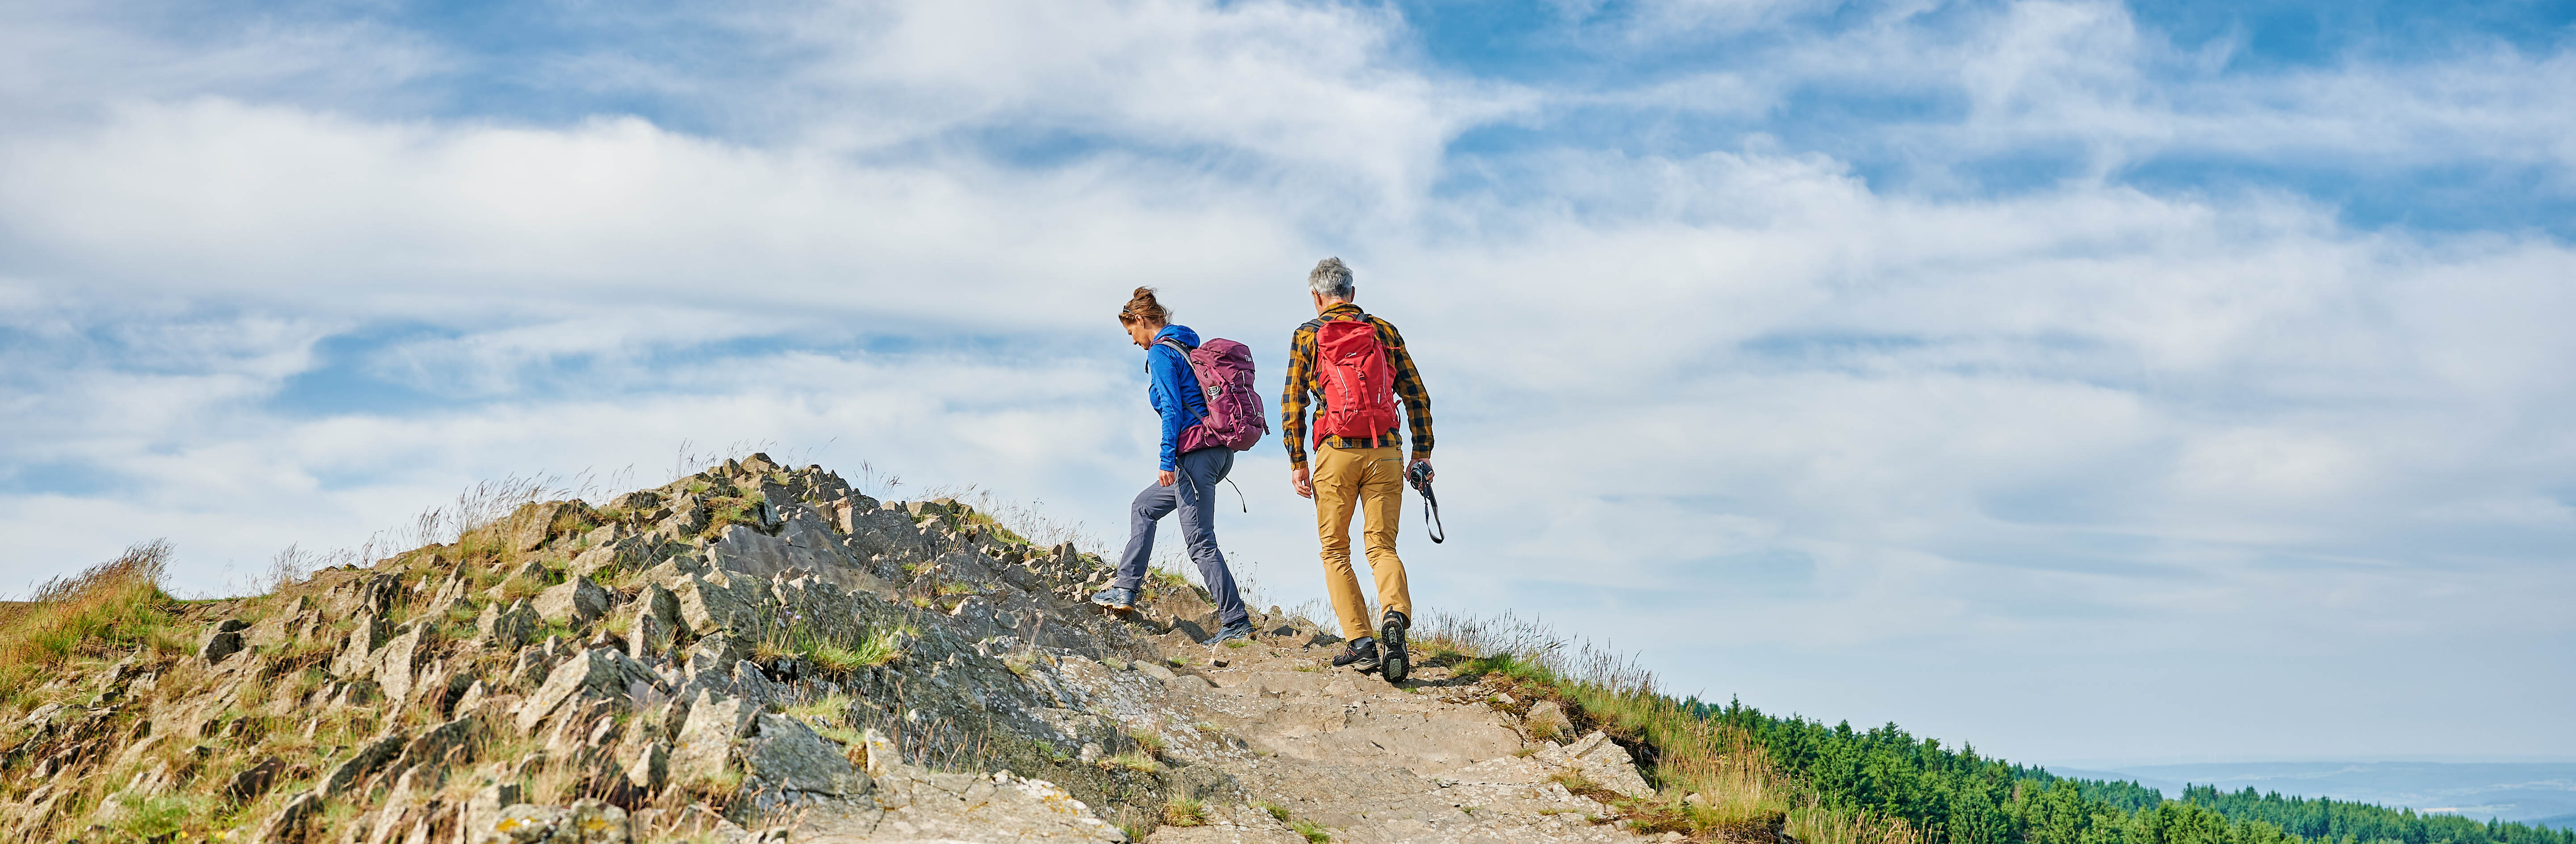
[1331,279]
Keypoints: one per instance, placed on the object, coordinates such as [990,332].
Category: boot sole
[1393,662]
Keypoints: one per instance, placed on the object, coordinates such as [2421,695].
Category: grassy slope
[1759,777]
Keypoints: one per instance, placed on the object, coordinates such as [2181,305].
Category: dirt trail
[1272,726]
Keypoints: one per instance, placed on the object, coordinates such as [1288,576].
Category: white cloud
[1844,419]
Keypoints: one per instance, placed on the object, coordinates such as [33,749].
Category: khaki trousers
[1371,480]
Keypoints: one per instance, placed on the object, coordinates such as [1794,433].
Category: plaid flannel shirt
[1302,384]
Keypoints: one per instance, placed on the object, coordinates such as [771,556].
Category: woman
[1188,480]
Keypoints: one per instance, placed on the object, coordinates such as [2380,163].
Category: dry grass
[1133,761]
[1148,741]
[872,648]
[1743,795]
[115,606]
[1812,824]
[1187,811]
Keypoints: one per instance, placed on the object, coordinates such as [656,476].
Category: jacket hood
[1178,332]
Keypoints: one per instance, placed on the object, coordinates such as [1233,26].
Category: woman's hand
[1165,478]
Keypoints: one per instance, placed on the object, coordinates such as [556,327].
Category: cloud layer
[2019,372]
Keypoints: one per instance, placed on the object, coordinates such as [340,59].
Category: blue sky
[2085,381]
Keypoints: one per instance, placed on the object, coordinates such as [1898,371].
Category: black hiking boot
[1394,662]
[1360,655]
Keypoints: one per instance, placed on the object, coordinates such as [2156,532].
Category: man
[1354,366]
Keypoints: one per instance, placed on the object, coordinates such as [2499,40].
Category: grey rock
[357,657]
[687,519]
[434,744]
[1600,760]
[614,553]
[716,654]
[531,668]
[370,756]
[1546,721]
[706,741]
[750,683]
[789,755]
[401,658]
[253,781]
[484,809]
[576,601]
[223,641]
[524,824]
[509,627]
[476,694]
[650,770]
[455,594]
[596,822]
[657,620]
[594,673]
[664,606]
[646,636]
[293,622]
[372,594]
[1155,670]
[288,824]
[715,602]
[530,526]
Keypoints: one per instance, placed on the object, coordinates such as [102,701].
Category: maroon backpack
[1235,418]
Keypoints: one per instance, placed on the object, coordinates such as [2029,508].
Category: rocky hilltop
[757,653]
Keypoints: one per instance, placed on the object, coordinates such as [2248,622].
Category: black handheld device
[1419,476]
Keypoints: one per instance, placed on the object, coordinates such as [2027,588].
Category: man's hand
[1301,482]
[1165,478]
[1423,462]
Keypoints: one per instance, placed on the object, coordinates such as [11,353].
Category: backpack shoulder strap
[1187,365]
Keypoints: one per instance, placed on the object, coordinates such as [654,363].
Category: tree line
[1955,796]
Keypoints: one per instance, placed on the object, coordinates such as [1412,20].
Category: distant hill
[2540,793]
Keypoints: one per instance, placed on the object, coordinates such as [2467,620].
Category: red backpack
[1357,383]
[1235,418]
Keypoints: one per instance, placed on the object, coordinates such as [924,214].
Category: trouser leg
[1382,503]
[1200,472]
[1336,474]
[1149,507]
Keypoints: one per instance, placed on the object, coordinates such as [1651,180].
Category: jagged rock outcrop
[753,652]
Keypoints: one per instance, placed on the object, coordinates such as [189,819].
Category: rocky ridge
[754,653]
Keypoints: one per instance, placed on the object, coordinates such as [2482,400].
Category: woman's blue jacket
[1174,389]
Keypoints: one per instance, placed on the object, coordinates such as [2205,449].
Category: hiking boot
[1238,630]
[1394,663]
[1360,655]
[1115,598]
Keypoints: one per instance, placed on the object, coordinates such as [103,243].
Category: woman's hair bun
[1141,307]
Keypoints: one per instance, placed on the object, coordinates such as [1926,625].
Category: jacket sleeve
[1408,389]
[1166,374]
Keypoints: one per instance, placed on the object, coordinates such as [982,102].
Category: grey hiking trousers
[1193,493]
